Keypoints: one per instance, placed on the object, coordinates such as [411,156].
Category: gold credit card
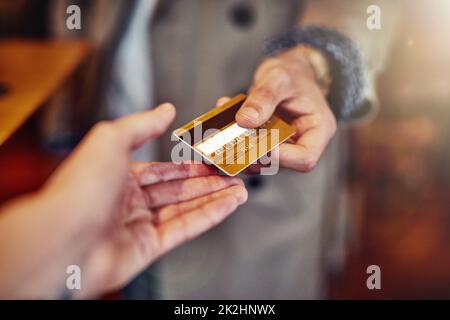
[217,137]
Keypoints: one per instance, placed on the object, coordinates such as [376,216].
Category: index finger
[305,153]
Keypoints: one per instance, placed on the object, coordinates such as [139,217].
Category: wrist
[318,64]
[70,216]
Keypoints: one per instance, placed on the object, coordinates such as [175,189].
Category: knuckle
[316,120]
[266,65]
[306,101]
[333,125]
[264,93]
[329,120]
[280,73]
[309,163]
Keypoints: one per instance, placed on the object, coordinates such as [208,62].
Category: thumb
[140,127]
[262,101]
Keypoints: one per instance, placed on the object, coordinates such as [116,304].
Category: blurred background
[399,171]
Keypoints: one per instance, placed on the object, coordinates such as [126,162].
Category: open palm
[163,205]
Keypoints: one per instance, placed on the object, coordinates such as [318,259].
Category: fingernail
[249,113]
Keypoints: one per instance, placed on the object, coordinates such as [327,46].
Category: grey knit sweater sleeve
[348,71]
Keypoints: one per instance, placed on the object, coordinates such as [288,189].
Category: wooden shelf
[30,73]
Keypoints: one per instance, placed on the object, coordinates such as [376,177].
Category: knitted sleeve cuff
[348,71]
